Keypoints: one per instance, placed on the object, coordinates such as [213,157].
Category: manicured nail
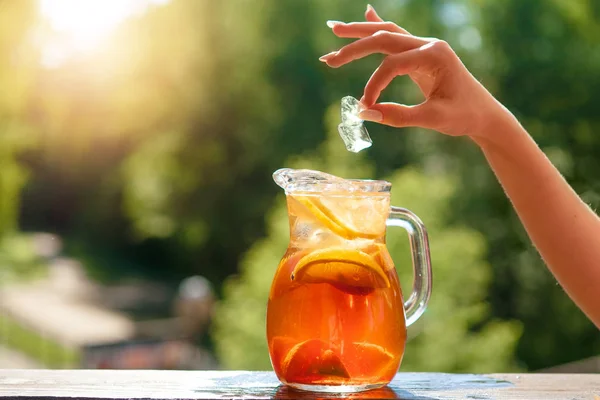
[332,23]
[371,115]
[328,56]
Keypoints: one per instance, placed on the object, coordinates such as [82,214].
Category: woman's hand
[562,227]
[455,102]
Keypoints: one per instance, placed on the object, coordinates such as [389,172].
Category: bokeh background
[139,223]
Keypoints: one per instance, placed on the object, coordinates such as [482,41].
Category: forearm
[565,231]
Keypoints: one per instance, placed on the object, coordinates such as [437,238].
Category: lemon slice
[381,255]
[330,220]
[341,267]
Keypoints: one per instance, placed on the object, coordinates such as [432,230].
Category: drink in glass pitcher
[336,316]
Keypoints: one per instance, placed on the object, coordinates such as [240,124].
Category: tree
[15,130]
[17,135]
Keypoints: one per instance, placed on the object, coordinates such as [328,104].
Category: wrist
[498,128]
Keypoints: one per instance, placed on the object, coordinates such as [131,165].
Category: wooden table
[107,384]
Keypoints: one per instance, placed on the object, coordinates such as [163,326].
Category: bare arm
[561,226]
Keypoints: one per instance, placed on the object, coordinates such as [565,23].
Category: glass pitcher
[336,319]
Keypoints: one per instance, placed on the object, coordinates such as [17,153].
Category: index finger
[384,42]
[364,29]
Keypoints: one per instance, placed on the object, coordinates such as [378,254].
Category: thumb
[398,115]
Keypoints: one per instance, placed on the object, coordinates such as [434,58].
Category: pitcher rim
[357,186]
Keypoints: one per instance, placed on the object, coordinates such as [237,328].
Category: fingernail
[371,115]
[328,56]
[369,7]
[332,23]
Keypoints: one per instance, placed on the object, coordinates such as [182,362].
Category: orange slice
[279,347]
[329,219]
[313,360]
[342,267]
[372,359]
[281,282]
[372,353]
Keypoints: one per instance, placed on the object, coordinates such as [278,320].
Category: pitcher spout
[307,180]
[287,178]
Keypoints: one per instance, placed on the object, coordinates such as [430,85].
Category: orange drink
[336,316]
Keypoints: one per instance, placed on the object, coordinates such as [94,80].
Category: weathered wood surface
[107,384]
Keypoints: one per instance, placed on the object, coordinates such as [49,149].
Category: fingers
[399,115]
[381,42]
[364,29]
[391,67]
[430,59]
[371,14]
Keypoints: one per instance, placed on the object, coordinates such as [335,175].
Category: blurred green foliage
[31,343]
[18,259]
[15,128]
[154,157]
[17,134]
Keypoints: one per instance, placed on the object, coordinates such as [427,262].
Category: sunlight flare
[79,27]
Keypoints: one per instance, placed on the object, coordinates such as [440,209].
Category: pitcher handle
[419,244]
